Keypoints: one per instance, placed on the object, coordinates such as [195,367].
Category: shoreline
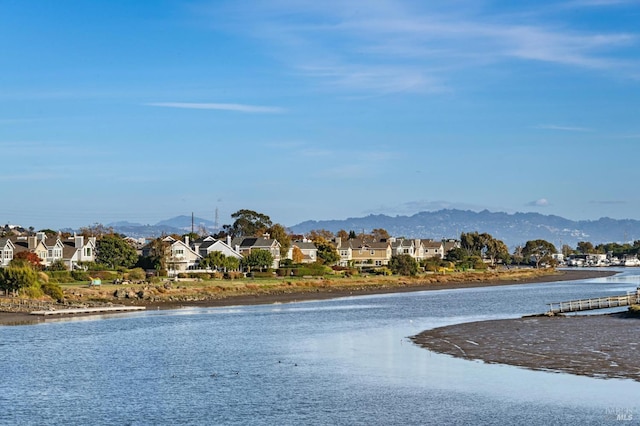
[322,293]
[599,346]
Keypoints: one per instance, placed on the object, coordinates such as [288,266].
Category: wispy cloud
[563,128]
[542,202]
[220,106]
[349,46]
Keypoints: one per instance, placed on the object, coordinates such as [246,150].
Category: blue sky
[144,110]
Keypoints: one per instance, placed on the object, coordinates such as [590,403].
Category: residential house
[76,249]
[308,249]
[179,255]
[433,249]
[7,249]
[360,252]
[204,246]
[48,249]
[244,246]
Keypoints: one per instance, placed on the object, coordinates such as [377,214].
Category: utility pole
[191,223]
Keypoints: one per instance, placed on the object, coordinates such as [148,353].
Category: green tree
[279,233]
[214,260]
[57,265]
[327,252]
[539,250]
[13,278]
[261,259]
[496,250]
[403,264]
[231,263]
[585,247]
[248,223]
[113,251]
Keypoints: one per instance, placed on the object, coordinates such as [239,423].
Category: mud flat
[604,346]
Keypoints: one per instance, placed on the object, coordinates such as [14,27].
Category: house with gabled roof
[244,246]
[205,245]
[179,255]
[7,249]
[48,249]
[433,249]
[362,252]
[308,249]
[77,249]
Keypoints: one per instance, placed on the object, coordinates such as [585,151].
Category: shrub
[266,274]
[53,290]
[32,292]
[284,272]
[57,265]
[80,275]
[233,275]
[312,269]
[59,276]
[383,271]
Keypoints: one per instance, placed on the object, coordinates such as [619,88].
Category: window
[344,252]
[373,252]
[87,251]
[378,262]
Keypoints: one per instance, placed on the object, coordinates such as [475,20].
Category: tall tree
[112,250]
[248,223]
[279,233]
[539,250]
[380,234]
[315,234]
[96,230]
[585,247]
[342,234]
[327,253]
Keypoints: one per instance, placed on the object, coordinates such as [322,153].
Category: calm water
[345,361]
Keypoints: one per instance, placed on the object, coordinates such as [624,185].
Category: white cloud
[220,106]
[542,202]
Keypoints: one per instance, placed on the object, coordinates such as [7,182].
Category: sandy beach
[299,294]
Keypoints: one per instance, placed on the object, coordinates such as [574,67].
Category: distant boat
[631,261]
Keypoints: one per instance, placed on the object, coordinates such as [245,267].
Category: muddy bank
[330,290]
[605,346]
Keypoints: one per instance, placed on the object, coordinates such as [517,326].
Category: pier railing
[630,298]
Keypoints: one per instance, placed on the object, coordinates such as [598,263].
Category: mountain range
[514,229]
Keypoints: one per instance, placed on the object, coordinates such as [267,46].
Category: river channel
[342,361]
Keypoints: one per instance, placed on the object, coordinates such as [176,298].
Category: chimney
[186,240]
[78,241]
[229,240]
[32,242]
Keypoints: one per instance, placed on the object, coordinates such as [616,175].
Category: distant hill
[176,225]
[514,229]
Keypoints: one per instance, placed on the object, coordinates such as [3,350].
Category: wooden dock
[89,310]
[631,298]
